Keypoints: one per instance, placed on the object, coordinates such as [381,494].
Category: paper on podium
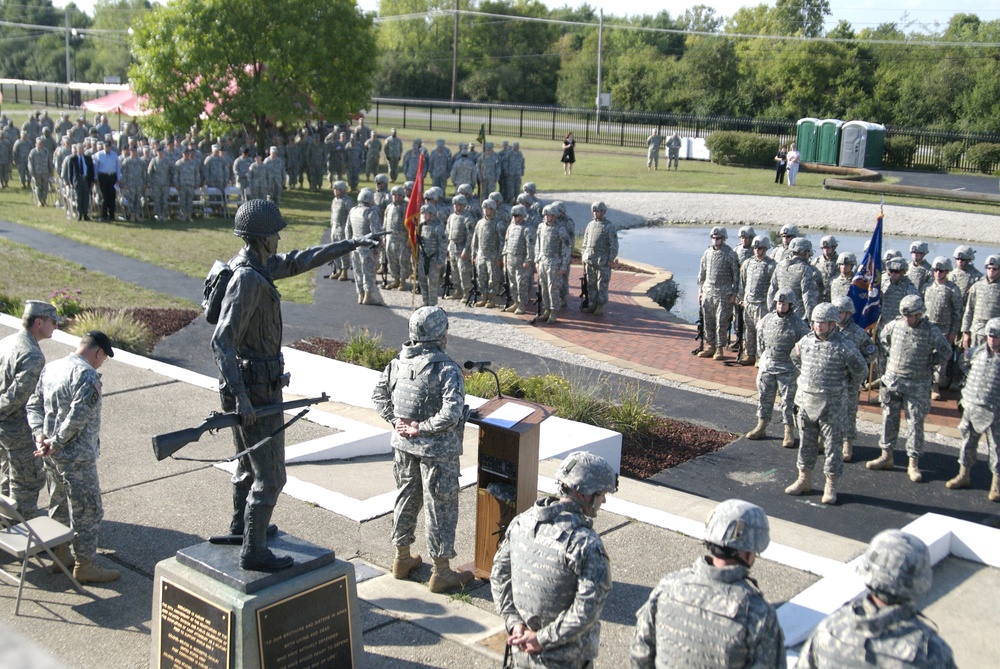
[508,415]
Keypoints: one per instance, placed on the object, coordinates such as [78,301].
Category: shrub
[11,305]
[67,301]
[741,148]
[365,349]
[949,155]
[124,331]
[984,156]
[632,414]
[482,384]
[899,152]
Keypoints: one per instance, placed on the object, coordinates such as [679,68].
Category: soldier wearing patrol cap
[755,278]
[745,248]
[463,171]
[796,274]
[826,265]
[980,398]
[599,250]
[421,393]
[913,348]
[713,615]
[787,234]
[247,349]
[982,304]
[944,303]
[393,153]
[882,626]
[551,574]
[919,272]
[718,291]
[863,341]
[439,166]
[841,284]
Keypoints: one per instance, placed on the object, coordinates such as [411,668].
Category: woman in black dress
[781,165]
[569,153]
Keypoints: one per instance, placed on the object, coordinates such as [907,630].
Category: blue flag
[866,287]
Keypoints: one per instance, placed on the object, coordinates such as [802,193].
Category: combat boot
[551,318]
[848,450]
[589,309]
[458,296]
[343,274]
[88,572]
[802,485]
[395,284]
[361,298]
[748,360]
[255,555]
[443,577]
[935,392]
[404,562]
[883,461]
[760,431]
[373,298]
[520,311]
[544,316]
[719,354]
[599,309]
[482,303]
[708,352]
[960,481]
[512,308]
[402,288]
[788,440]
[994,494]
[913,470]
[64,555]
[830,490]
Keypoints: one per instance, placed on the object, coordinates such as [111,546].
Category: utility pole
[600,44]
[67,48]
[454,58]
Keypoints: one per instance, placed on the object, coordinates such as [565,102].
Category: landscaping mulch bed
[668,444]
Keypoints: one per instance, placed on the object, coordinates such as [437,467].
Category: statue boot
[760,431]
[599,309]
[238,522]
[443,577]
[255,555]
[960,481]
[802,485]
[404,562]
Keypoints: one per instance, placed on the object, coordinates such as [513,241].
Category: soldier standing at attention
[551,574]
[275,170]
[673,151]
[882,626]
[745,249]
[439,167]
[515,172]
[411,162]
[393,153]
[336,159]
[340,207]
[553,249]
[187,176]
[713,615]
[397,248]
[920,272]
[247,350]
[653,150]
[487,254]
[965,273]
[488,169]
[598,253]
[65,418]
[826,265]
[133,180]
[982,304]
[913,348]
[787,234]
[40,169]
[354,156]
[519,259]
[461,226]
[944,309]
[755,277]
[315,160]
[432,251]
[363,220]
[241,170]
[867,348]
[463,171]
[159,175]
[796,274]
[841,284]
[258,179]
[718,290]
[373,153]
[421,393]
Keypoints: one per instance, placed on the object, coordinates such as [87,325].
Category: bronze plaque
[194,633]
[311,630]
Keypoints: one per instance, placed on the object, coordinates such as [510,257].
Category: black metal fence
[49,94]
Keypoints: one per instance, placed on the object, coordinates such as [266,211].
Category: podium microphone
[484,367]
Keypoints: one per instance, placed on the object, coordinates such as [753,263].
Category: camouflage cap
[366,196]
[761,242]
[428,324]
[398,190]
[897,264]
[460,199]
[439,142]
[992,259]
[964,252]
[896,567]
[828,242]
[718,231]
[786,295]
[587,474]
[911,304]
[789,229]
[258,219]
[416,144]
[36,308]
[918,247]
[941,262]
[844,303]
[847,258]
[519,210]
[382,179]
[800,245]
[992,327]
[598,206]
[738,525]
[529,187]
[747,231]
[340,185]
[825,312]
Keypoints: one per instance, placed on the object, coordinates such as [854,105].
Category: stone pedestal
[210,613]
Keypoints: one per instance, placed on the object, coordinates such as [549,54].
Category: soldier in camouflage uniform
[980,399]
[863,341]
[553,253]
[354,157]
[598,253]
[399,254]
[826,265]
[187,176]
[913,348]
[159,175]
[474,208]
[712,615]
[519,260]
[882,626]
[460,229]
[919,272]
[432,253]
[965,273]
[21,149]
[314,160]
[257,177]
[246,346]
[563,219]
[411,161]
[336,157]
[274,169]
[777,334]
[40,171]
[439,166]
[551,574]
[21,362]
[373,153]
[487,254]
[787,234]
[64,413]
[653,150]
[362,220]
[515,172]
[6,160]
[463,171]
[895,286]
[241,170]
[216,169]
[841,284]
[718,290]
[340,207]
[745,249]
[830,366]
[132,184]
[393,154]
[944,309]
[488,169]
[981,304]
[421,393]
[755,278]
[795,273]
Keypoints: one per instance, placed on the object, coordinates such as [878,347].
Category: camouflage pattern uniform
[340,207]
[718,286]
[40,170]
[920,275]
[354,156]
[488,169]
[519,259]
[599,249]
[553,253]
[66,407]
[257,177]
[787,234]
[160,176]
[294,156]
[570,225]
[241,172]
[755,277]
[515,172]
[399,254]
[393,153]
[216,172]
[653,150]
[22,148]
[274,170]
[21,362]
[487,254]
[187,176]
[797,275]
[744,253]
[965,278]
[827,267]
[423,384]
[133,185]
[432,253]
[336,158]
[776,337]
[6,161]
[892,295]
[460,229]
[362,220]
[944,309]
[982,304]
[980,400]
[411,162]
[439,167]
[866,347]
[315,159]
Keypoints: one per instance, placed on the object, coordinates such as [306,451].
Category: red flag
[412,221]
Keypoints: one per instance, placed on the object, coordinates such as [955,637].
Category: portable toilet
[828,141]
[805,139]
[862,144]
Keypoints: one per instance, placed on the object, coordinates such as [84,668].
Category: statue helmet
[258,219]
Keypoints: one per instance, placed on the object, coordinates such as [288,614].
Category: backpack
[215,289]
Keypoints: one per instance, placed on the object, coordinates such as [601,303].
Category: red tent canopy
[121,102]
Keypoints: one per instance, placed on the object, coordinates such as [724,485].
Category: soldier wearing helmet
[473,208]
[841,284]
[796,274]
[944,303]
[554,621]
[487,252]
[713,614]
[399,254]
[919,272]
[382,195]
[563,219]
[862,340]
[745,248]
[247,349]
[777,334]
[826,265]
[755,278]
[981,304]
[788,232]
[363,220]
[718,291]
[965,273]
[599,250]
[432,253]
[519,259]
[882,626]
[829,364]
[340,208]
[421,393]
[460,228]
[913,347]
[895,286]
[553,252]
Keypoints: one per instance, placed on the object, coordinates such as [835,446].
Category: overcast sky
[861,13]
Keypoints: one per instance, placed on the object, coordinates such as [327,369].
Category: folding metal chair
[213,201]
[26,539]
[234,198]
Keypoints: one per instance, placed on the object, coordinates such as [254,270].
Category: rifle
[507,299]
[740,331]
[700,337]
[165,445]
[538,301]
[448,285]
[584,293]
[383,269]
[474,293]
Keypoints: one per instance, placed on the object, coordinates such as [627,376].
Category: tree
[256,63]
[26,53]
[110,50]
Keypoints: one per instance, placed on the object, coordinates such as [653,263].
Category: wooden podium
[508,457]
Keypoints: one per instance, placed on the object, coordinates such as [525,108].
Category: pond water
[679,249]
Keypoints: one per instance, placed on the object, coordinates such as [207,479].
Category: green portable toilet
[828,141]
[805,139]
[862,144]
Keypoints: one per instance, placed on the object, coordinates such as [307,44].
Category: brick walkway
[636,333]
